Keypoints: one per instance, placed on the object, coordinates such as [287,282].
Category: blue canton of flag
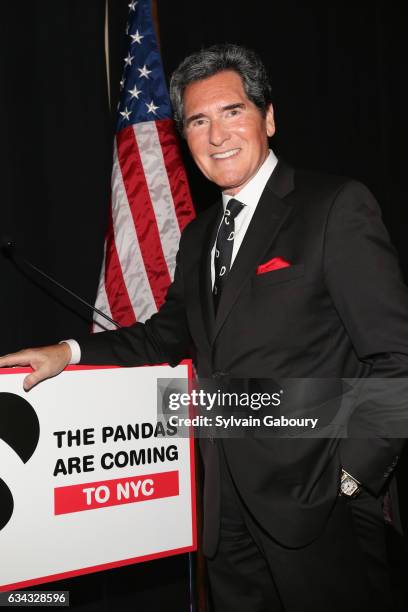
[144,95]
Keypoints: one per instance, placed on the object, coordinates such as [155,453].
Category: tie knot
[233,208]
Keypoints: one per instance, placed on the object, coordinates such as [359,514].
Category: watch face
[348,486]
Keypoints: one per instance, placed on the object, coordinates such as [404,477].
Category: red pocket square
[273,264]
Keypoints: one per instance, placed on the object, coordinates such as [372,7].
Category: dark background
[337,71]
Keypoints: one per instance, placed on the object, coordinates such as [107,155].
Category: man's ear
[270,121]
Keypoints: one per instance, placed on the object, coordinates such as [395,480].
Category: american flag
[150,201]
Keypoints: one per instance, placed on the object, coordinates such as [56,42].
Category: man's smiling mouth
[225,154]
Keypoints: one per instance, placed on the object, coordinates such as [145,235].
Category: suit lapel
[269,216]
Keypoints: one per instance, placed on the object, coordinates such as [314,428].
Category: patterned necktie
[223,248]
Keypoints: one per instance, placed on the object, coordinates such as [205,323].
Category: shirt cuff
[75,351]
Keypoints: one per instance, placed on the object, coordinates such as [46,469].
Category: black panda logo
[19,429]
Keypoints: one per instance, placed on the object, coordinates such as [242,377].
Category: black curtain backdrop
[337,71]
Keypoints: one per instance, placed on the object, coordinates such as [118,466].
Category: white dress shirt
[249,196]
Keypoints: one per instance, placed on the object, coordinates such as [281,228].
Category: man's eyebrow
[232,106]
[193,118]
[222,109]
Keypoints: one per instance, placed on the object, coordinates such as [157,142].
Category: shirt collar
[251,193]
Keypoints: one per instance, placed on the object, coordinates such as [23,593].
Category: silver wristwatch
[349,486]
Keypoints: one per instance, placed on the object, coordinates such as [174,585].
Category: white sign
[89,477]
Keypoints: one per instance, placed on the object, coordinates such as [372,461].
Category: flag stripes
[150,203]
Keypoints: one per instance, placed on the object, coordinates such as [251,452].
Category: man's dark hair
[210,61]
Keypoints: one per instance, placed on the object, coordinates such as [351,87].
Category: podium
[91,475]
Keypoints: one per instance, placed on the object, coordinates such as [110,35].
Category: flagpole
[106,44]
[155,16]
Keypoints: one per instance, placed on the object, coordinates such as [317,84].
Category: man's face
[226,133]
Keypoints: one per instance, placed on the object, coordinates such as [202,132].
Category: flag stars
[144,72]
[126,113]
[129,59]
[135,92]
[151,108]
[136,37]
[132,5]
[122,82]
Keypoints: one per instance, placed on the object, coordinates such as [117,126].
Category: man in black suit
[291,276]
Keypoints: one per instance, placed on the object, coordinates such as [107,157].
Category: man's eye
[234,112]
[198,122]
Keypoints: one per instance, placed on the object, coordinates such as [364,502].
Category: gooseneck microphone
[8,247]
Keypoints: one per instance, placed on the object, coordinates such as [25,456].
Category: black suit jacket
[339,311]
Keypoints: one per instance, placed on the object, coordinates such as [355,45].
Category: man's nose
[218,133]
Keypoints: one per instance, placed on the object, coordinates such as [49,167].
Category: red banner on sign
[91,495]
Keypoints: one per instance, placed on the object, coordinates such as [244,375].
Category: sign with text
[90,477]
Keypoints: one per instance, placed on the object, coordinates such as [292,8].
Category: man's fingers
[22,358]
[4,361]
[46,361]
[26,357]
[39,374]
[31,380]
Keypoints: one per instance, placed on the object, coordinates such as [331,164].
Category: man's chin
[226,182]
[231,188]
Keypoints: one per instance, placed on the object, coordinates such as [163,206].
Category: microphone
[8,247]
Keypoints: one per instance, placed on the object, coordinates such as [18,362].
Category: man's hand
[46,361]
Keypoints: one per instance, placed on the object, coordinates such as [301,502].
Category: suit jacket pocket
[281,275]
